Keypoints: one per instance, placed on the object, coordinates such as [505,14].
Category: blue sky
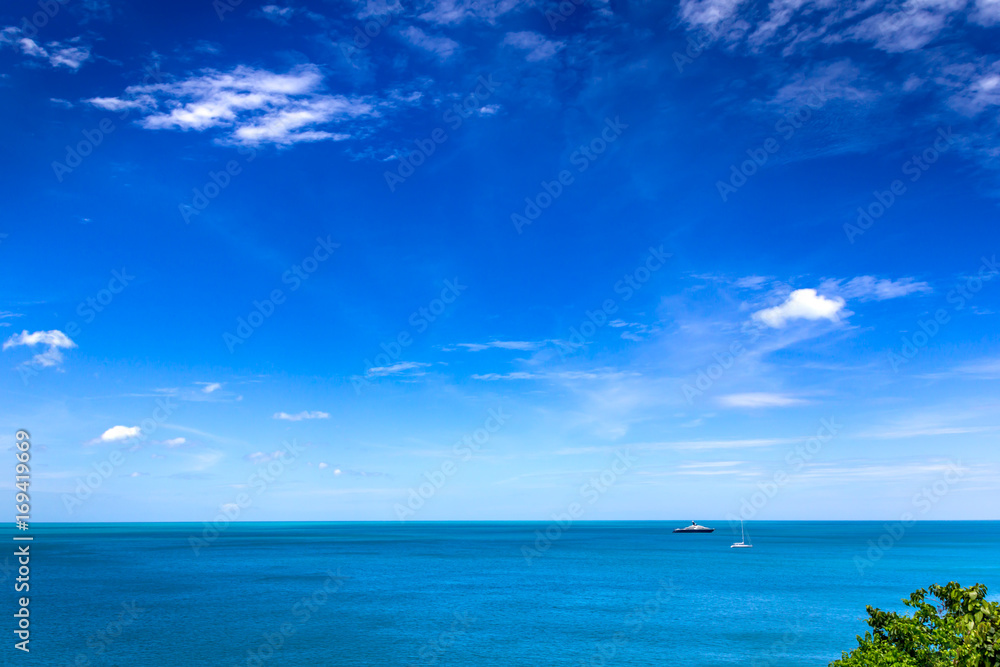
[458,266]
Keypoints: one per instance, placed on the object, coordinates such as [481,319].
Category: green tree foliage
[964,631]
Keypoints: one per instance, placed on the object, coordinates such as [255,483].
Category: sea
[482,594]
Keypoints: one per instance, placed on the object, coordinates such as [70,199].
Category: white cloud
[69,56]
[261,457]
[523,345]
[976,87]
[984,369]
[117,433]
[316,414]
[517,375]
[449,12]
[802,304]
[751,282]
[174,442]
[683,445]
[210,386]
[442,47]
[394,369]
[597,374]
[760,400]
[323,465]
[538,47]
[250,106]
[58,54]
[708,14]
[5,314]
[987,12]
[276,14]
[116,104]
[869,288]
[839,80]
[909,27]
[55,340]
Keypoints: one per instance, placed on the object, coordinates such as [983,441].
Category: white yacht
[694,528]
[742,544]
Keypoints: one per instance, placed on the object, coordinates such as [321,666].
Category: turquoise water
[601,593]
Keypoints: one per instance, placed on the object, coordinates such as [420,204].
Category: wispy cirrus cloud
[515,375]
[263,457]
[760,400]
[736,443]
[247,106]
[535,46]
[870,288]
[6,314]
[708,14]
[454,12]
[407,367]
[299,416]
[906,27]
[522,345]
[275,13]
[442,47]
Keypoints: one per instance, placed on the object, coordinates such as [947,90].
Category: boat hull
[700,530]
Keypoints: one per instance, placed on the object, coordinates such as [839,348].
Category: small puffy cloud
[760,400]
[396,369]
[536,46]
[54,340]
[69,54]
[869,288]
[209,387]
[442,47]
[248,106]
[174,442]
[323,465]
[315,414]
[802,304]
[119,433]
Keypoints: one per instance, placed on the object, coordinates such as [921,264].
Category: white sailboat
[742,544]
